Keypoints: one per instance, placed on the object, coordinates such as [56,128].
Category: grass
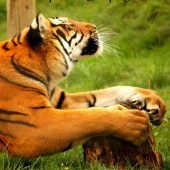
[143,38]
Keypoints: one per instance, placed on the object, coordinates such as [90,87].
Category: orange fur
[31,121]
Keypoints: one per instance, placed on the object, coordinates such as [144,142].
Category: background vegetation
[143,43]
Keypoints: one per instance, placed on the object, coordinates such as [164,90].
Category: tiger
[38,118]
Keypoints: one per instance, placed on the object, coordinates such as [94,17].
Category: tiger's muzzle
[92,45]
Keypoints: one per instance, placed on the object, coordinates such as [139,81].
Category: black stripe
[92,104]
[19,38]
[94,99]
[58,25]
[5,46]
[55,17]
[14,43]
[53,25]
[61,100]
[61,44]
[65,61]
[74,61]
[61,34]
[52,92]
[144,107]
[37,19]
[63,26]
[74,36]
[6,134]
[28,73]
[25,87]
[40,107]
[81,38]
[2,111]
[17,122]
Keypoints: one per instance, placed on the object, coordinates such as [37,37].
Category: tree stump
[112,151]
[20,14]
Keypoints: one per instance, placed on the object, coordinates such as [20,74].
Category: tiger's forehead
[59,20]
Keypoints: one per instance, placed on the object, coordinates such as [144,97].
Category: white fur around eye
[55,21]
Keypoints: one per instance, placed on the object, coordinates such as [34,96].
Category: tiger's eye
[69,28]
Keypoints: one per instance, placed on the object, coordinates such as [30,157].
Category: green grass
[143,38]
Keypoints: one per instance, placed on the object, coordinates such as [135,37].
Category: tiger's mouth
[91,48]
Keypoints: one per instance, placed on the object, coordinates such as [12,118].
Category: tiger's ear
[37,31]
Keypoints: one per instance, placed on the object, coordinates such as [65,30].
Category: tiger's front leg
[46,130]
[131,97]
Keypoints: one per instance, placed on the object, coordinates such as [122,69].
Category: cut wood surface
[112,151]
[19,15]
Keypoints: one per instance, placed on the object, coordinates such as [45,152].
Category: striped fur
[36,116]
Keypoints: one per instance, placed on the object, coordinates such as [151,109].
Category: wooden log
[19,15]
[112,151]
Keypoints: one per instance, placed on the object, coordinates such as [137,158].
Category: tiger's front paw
[130,124]
[148,100]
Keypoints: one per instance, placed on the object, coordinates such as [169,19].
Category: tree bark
[19,15]
[112,151]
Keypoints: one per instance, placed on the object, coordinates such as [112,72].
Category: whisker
[107,37]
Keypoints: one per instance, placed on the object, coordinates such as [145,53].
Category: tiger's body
[38,118]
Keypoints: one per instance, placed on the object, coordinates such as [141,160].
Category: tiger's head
[63,39]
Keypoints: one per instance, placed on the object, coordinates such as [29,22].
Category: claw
[136,102]
[153,112]
[155,122]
